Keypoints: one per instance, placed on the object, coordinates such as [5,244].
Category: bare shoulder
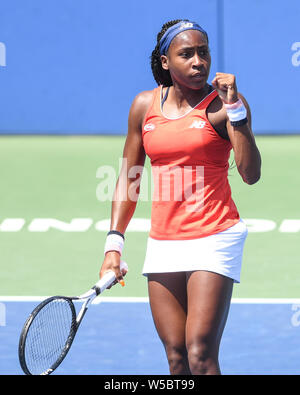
[142,101]
[139,107]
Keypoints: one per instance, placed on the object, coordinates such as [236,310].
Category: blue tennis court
[119,338]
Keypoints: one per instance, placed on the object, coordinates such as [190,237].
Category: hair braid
[161,76]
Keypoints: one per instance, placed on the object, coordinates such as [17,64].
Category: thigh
[168,302]
[209,296]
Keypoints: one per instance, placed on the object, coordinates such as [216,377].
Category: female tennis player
[187,127]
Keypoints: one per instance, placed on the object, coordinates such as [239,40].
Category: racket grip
[108,279]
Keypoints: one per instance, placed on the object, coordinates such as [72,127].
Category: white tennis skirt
[221,253]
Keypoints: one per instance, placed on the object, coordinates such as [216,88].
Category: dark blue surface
[120,339]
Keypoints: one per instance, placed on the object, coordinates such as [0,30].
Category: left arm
[246,153]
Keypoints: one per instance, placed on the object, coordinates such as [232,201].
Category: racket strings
[49,334]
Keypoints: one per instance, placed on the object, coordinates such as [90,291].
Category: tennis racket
[49,331]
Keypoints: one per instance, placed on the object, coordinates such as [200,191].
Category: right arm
[127,187]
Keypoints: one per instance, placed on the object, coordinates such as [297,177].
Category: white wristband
[114,242]
[236,111]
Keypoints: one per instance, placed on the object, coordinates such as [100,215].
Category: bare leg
[209,296]
[168,301]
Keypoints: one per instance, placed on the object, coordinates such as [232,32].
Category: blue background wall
[74,66]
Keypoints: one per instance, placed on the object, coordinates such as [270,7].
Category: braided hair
[162,76]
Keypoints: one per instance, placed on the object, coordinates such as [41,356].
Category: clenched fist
[225,85]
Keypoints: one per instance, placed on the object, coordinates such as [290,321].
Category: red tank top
[189,162]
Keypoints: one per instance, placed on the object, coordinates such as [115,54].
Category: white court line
[103,299]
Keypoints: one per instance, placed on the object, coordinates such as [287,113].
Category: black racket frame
[69,341]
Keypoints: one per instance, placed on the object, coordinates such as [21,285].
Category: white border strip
[146,300]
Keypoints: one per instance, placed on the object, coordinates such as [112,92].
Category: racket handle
[108,279]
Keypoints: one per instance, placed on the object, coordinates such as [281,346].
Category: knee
[177,357]
[202,358]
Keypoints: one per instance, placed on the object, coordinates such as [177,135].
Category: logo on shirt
[148,127]
[197,125]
